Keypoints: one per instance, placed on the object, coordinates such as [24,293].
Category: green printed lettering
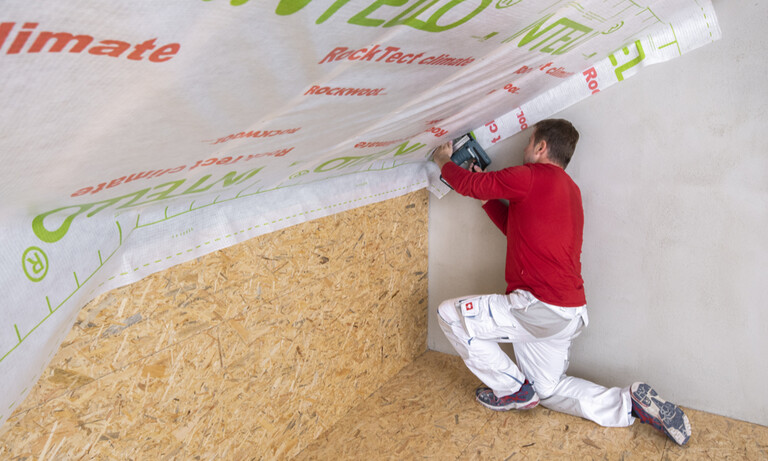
[69,213]
[557,35]
[228,180]
[38,224]
[361,18]
[111,201]
[232,178]
[575,42]
[234,2]
[530,30]
[627,65]
[51,236]
[565,36]
[552,35]
[431,25]
[344,162]
[398,20]
[172,186]
[403,148]
[287,7]
[408,17]
[330,11]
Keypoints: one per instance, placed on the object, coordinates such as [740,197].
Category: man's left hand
[443,154]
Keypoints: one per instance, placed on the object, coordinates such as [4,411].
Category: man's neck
[546,161]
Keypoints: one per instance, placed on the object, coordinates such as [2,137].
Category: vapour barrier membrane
[136,135]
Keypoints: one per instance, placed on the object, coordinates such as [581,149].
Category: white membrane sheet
[136,135]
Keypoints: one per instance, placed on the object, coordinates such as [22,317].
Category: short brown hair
[561,138]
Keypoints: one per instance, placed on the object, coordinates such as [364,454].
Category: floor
[428,411]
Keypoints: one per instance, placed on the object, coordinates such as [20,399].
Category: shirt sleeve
[511,183]
[498,212]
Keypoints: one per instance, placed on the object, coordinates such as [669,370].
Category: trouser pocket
[475,315]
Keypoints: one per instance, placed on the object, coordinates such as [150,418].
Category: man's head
[552,141]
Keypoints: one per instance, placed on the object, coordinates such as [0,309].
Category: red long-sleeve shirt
[543,223]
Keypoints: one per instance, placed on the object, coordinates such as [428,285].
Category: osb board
[247,353]
[428,411]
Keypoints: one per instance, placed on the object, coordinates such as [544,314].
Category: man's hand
[443,153]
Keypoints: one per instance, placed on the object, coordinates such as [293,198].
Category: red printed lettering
[255,134]
[125,179]
[61,41]
[143,174]
[371,53]
[56,42]
[391,54]
[82,191]
[492,127]
[165,52]
[277,153]
[99,188]
[591,75]
[140,49]
[559,72]
[438,132]
[325,90]
[395,57]
[512,88]
[332,56]
[521,120]
[116,182]
[388,50]
[524,70]
[353,56]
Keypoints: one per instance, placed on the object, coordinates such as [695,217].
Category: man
[544,307]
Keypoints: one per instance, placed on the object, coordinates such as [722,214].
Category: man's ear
[541,148]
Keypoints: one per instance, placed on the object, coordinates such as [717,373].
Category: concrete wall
[673,168]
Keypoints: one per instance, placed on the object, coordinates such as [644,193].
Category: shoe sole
[512,406]
[651,404]
[527,406]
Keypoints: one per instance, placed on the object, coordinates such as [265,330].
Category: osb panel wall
[247,353]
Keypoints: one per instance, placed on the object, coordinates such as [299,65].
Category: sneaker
[664,416]
[524,399]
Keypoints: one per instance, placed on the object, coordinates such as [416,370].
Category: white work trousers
[541,334]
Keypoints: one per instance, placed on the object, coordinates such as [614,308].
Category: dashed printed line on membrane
[51,310]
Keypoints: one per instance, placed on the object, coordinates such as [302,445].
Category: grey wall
[673,168]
